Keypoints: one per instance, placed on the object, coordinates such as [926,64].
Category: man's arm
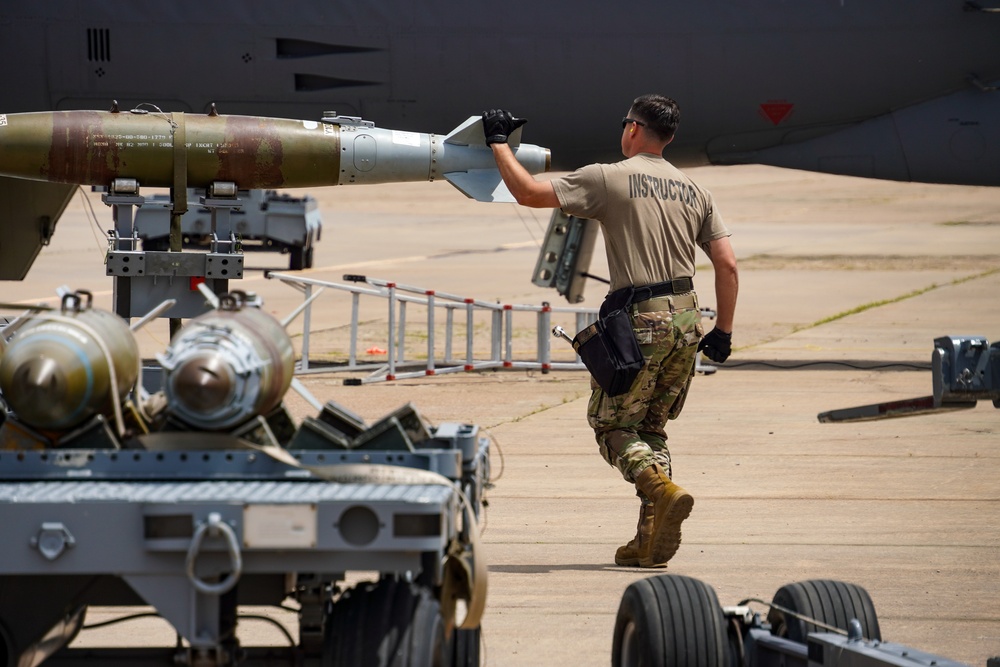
[727,281]
[526,190]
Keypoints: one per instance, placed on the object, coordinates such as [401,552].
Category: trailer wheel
[391,623]
[669,621]
[297,258]
[6,648]
[831,602]
[465,647]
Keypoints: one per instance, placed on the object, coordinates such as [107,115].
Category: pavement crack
[569,398]
[872,305]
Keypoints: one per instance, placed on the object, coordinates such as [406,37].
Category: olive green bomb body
[190,150]
[97,147]
[64,367]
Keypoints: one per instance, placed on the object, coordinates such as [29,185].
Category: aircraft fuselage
[771,81]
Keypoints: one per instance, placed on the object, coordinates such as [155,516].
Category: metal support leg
[449,329]
[306,322]
[496,339]
[469,336]
[392,327]
[401,334]
[125,241]
[430,332]
[508,312]
[544,336]
[352,358]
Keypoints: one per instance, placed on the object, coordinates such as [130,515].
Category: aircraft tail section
[29,211]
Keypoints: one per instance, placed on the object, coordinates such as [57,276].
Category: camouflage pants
[630,427]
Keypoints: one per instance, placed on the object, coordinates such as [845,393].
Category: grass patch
[875,304]
[885,302]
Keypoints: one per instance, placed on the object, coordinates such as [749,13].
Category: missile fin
[514,139]
[481,185]
[470,133]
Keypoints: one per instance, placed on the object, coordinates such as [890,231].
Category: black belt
[666,288]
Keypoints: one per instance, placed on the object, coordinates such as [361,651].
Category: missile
[189,150]
[227,366]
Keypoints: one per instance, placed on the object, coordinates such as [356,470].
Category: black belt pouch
[608,347]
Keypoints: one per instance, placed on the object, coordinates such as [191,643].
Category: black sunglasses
[627,120]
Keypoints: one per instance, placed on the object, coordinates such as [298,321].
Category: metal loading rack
[198,533]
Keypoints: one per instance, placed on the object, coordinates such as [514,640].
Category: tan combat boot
[632,554]
[671,505]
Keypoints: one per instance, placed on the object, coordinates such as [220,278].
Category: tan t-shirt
[652,215]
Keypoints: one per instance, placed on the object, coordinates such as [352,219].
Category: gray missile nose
[203,383]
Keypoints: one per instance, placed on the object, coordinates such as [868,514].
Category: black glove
[498,124]
[717,345]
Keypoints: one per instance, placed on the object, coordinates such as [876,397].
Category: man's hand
[717,345]
[498,124]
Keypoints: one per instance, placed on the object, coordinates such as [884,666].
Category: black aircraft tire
[669,621]
[827,601]
[391,623]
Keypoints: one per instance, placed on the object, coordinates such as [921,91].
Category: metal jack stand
[145,278]
[966,370]
[221,200]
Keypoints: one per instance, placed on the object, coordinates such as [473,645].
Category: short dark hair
[661,114]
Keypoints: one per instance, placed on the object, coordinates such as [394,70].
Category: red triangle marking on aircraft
[776,111]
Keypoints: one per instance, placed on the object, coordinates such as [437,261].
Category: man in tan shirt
[652,217]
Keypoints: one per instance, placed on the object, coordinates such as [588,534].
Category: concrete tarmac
[844,285]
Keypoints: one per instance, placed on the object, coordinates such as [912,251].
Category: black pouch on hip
[608,347]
